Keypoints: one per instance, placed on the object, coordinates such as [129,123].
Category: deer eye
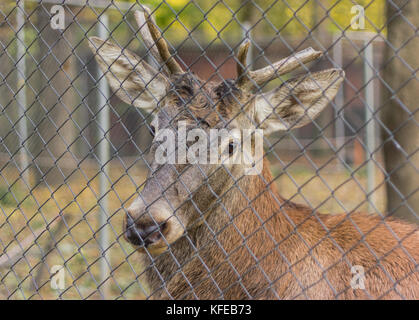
[231,146]
[152,130]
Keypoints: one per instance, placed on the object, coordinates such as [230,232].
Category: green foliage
[11,197]
[222,19]
[6,197]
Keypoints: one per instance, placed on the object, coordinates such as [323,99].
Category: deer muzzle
[143,234]
[153,230]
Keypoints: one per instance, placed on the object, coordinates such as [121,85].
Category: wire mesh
[87,210]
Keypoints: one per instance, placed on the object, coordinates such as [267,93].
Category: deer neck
[247,206]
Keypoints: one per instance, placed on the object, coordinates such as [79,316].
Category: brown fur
[274,249]
[204,101]
[255,244]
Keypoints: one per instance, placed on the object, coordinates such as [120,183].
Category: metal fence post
[104,158]
[339,102]
[369,120]
[21,89]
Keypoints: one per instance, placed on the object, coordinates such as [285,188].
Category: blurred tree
[400,113]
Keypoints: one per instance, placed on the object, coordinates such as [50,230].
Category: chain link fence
[86,210]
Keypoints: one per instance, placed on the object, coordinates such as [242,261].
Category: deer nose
[140,234]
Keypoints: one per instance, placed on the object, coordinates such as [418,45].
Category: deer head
[176,196]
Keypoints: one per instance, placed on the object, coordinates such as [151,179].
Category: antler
[241,66]
[249,79]
[155,42]
[148,39]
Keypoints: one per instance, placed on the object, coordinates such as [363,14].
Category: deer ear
[134,81]
[298,101]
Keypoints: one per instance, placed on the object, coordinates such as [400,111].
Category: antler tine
[161,44]
[281,67]
[241,65]
[148,40]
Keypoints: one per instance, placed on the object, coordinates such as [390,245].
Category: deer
[209,231]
